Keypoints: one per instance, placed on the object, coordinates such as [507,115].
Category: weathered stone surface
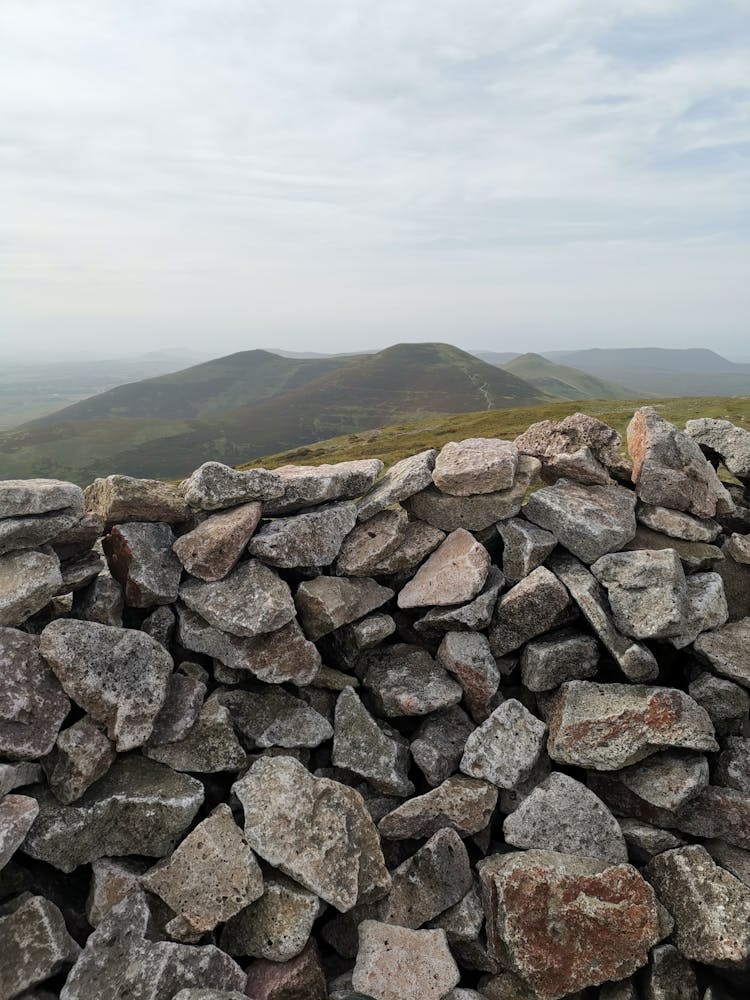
[214,486]
[677,524]
[307,485]
[213,548]
[270,716]
[646,841]
[275,657]
[252,600]
[35,945]
[138,807]
[535,605]
[506,747]
[405,680]
[525,547]
[736,578]
[362,746]
[313,538]
[180,710]
[727,704]
[101,601]
[647,592]
[635,660]
[577,447]
[32,703]
[79,571]
[717,812]
[209,878]
[563,815]
[210,745]
[475,465]
[461,804]
[141,559]
[299,978]
[81,756]
[420,539]
[564,656]
[468,657]
[453,574]
[201,994]
[112,879]
[402,480]
[439,743]
[727,649]
[314,830]
[120,961]
[448,513]
[666,780]
[275,927]
[328,602]
[347,644]
[707,607]
[564,922]
[371,542]
[607,726]
[734,859]
[17,775]
[669,976]
[474,616]
[25,497]
[28,581]
[711,908]
[118,499]
[38,529]
[17,813]
[732,767]
[669,469]
[738,548]
[589,521]
[119,676]
[723,438]
[396,963]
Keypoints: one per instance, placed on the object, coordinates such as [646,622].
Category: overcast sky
[339,174]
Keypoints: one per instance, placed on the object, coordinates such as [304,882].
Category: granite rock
[251,600]
[475,465]
[312,538]
[308,485]
[327,602]
[117,499]
[402,480]
[371,543]
[213,547]
[525,547]
[548,662]
[277,926]
[396,963]
[647,592]
[530,608]
[214,486]
[405,680]
[140,558]
[468,657]
[506,747]
[364,747]
[35,945]
[28,581]
[459,803]
[454,574]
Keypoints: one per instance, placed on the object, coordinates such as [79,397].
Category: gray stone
[396,963]
[405,680]
[210,745]
[201,994]
[402,480]
[118,499]
[589,521]
[454,573]
[32,497]
[577,447]
[313,538]
[707,607]
[506,747]
[711,908]
[36,945]
[213,548]
[666,780]
[474,616]
[351,641]
[468,657]
[647,592]
[563,815]
[138,807]
[677,524]
[277,926]
[734,859]
[328,602]
[314,830]
[180,711]
[252,600]
[420,539]
[646,841]
[119,676]
[475,513]
[209,878]
[693,555]
[307,485]
[215,486]
[534,606]
[81,536]
[669,469]
[727,704]
[439,744]
[475,465]
[732,767]
[727,649]
[17,814]
[635,660]
[79,571]
[81,756]
[17,775]
[717,812]
[736,578]
[120,960]
[361,745]
[525,547]
[608,726]
[271,717]
[101,601]
[141,559]
[275,657]
[461,804]
[372,542]
[738,548]
[32,703]
[28,581]
[669,976]
[112,879]
[566,656]
[38,529]
[723,438]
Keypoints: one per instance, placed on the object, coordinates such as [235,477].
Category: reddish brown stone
[301,978]
[212,549]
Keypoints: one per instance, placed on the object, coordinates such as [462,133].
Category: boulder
[419,540]
[251,600]
[117,499]
[577,447]
[34,497]
[707,607]
[723,439]
[473,616]
[402,480]
[101,601]
[313,538]
[467,655]
[28,581]
[328,602]
[727,650]
[140,558]
[215,486]
[506,747]
[677,524]
[214,547]
[475,466]
[396,963]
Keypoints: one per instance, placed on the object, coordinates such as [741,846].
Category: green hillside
[563,381]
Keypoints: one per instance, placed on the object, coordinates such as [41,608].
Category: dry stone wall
[476,727]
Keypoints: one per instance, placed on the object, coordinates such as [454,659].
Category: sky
[329,175]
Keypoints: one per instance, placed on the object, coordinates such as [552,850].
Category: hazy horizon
[227,174]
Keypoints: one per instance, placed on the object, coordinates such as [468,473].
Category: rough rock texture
[362,746]
[727,650]
[474,615]
[213,548]
[419,540]
[215,486]
[28,581]
[371,542]
[35,945]
[506,747]
[82,754]
[395,963]
[475,465]
[439,743]
[250,601]
[461,804]
[405,680]
[467,655]
[677,524]
[525,547]
[118,499]
[647,592]
[141,559]
[17,814]
[723,438]
[209,746]
[313,538]
[564,656]
[308,485]
[402,480]
[453,574]
[534,606]
[275,927]
[326,603]
[577,447]
[271,717]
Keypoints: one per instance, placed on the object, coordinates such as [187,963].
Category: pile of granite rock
[476,727]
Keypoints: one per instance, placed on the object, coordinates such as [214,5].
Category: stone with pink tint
[300,978]
[475,465]
[211,550]
[454,573]
[395,963]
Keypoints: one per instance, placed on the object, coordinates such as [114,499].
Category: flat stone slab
[476,615]
[475,465]
[28,581]
[395,963]
[419,541]
[525,547]
[313,538]
[401,480]
[117,499]
[327,602]
[252,600]
[677,524]
[307,485]
[647,592]
[454,574]
[215,486]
